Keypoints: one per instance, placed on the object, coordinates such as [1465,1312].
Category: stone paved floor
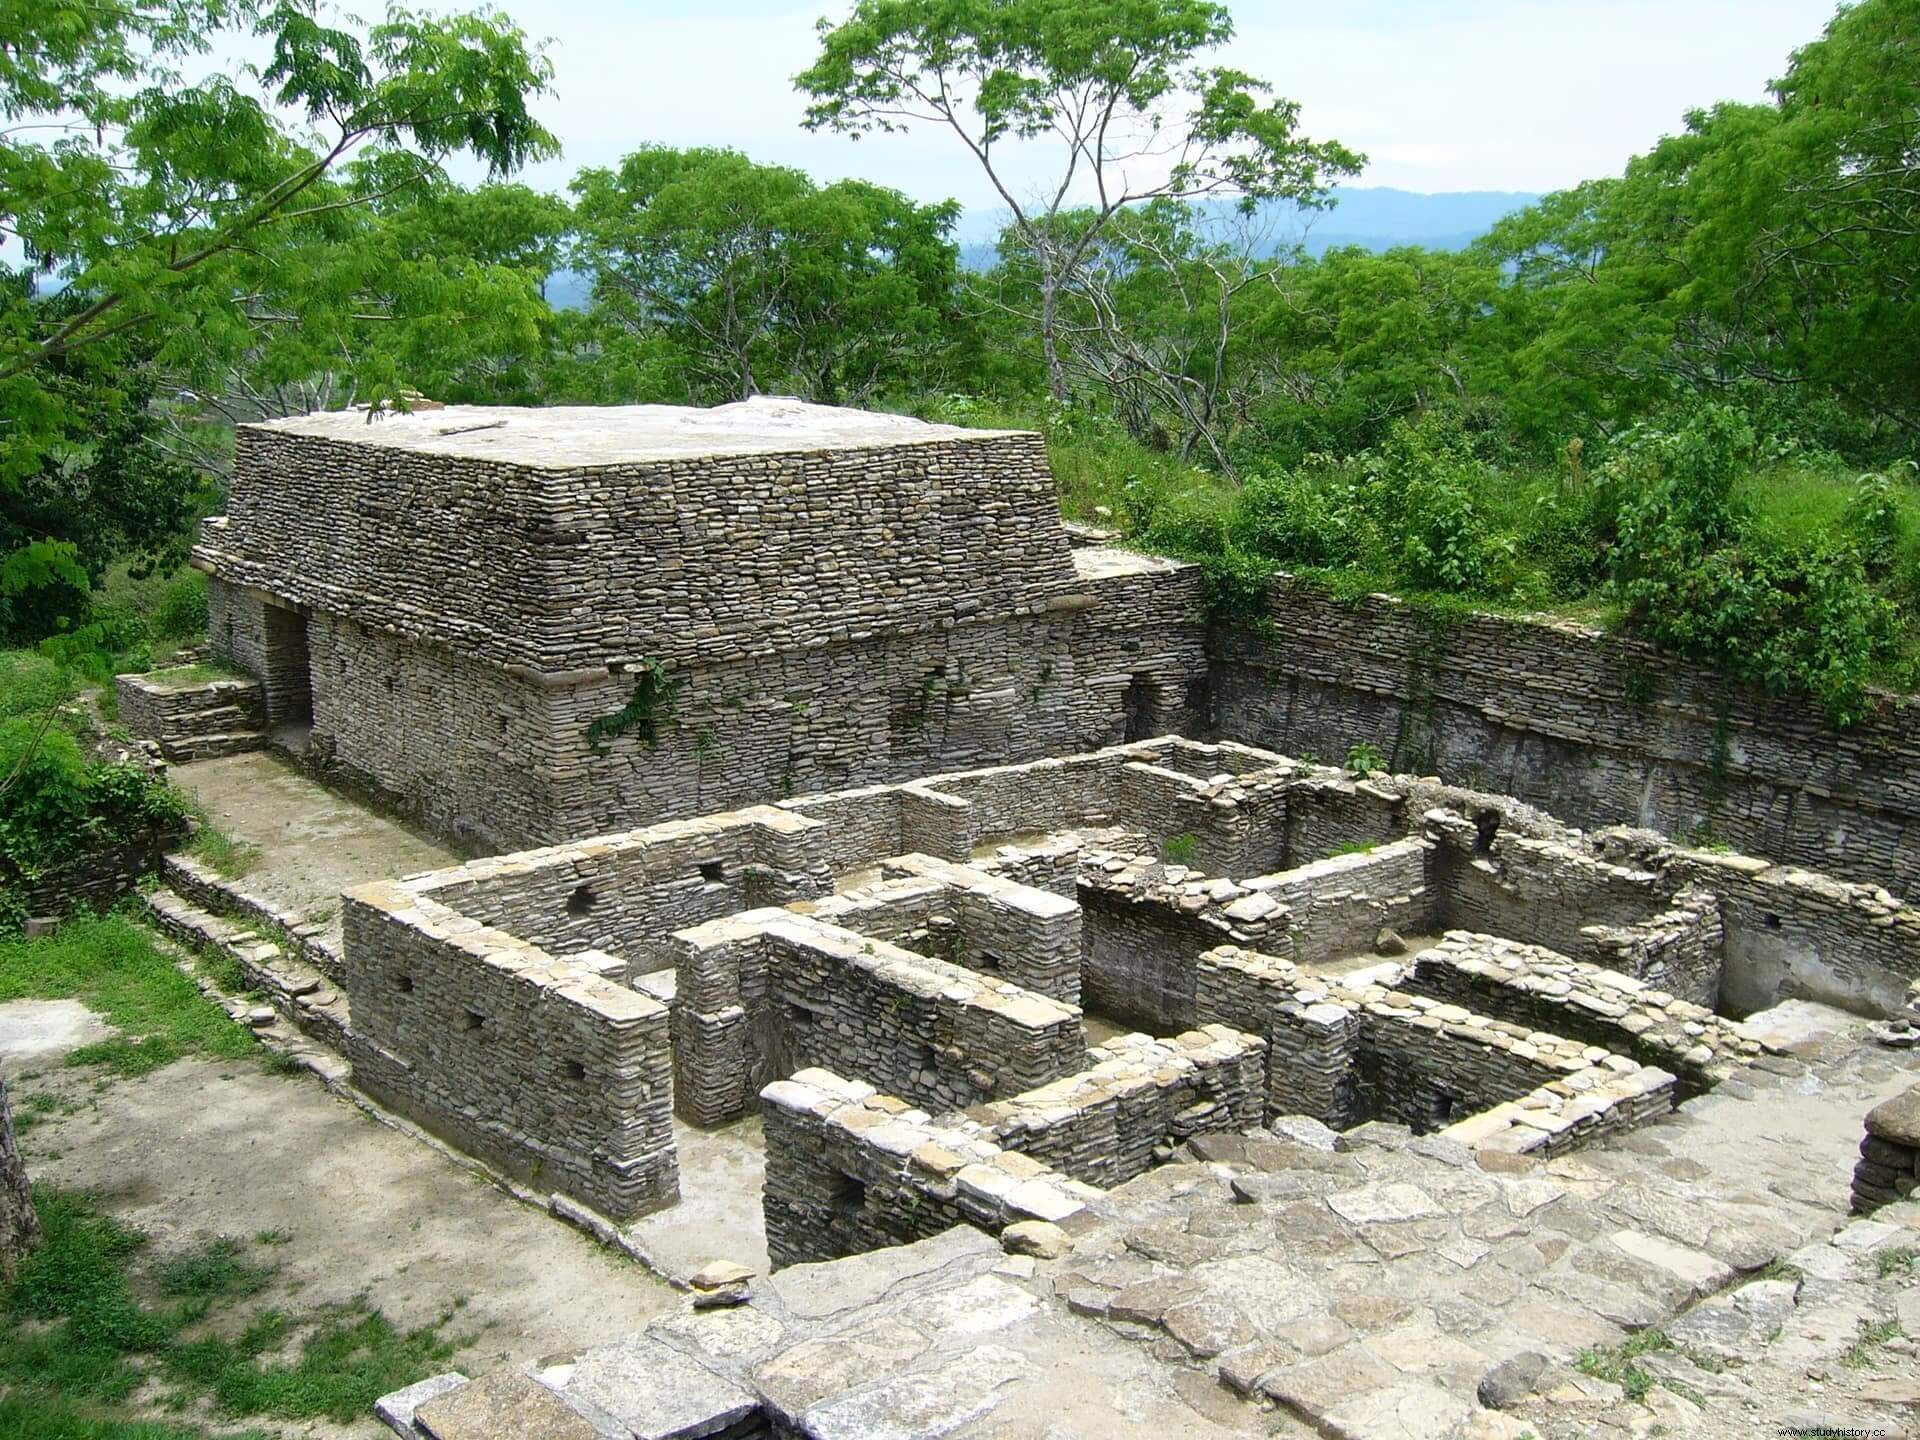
[1377,1287]
[1368,1289]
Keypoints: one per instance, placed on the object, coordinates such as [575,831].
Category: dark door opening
[288,677]
[1139,709]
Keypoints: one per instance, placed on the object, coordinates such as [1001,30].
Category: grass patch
[87,1326]
[116,967]
[214,847]
[1863,1354]
[1896,1261]
[1615,1362]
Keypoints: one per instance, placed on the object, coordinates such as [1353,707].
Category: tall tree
[19,1225]
[1117,90]
[180,212]
[751,277]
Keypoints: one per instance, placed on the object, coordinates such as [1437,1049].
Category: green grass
[1863,1354]
[199,673]
[1615,1362]
[86,1326]
[213,846]
[116,968]
[1896,1261]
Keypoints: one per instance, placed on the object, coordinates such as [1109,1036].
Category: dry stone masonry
[535,624]
[1102,1079]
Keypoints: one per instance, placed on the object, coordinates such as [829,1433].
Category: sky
[1441,95]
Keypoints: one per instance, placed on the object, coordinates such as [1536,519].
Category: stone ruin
[922,869]
[531,625]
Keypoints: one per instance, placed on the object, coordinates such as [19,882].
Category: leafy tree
[1118,88]
[187,216]
[722,278]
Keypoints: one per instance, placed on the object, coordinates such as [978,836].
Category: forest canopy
[1684,399]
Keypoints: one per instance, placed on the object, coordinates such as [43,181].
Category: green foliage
[58,804]
[1179,849]
[717,279]
[79,1338]
[232,858]
[650,706]
[1364,759]
[116,967]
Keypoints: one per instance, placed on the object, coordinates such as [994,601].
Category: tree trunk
[1049,336]
[19,1226]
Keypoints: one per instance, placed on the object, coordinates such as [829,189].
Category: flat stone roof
[563,437]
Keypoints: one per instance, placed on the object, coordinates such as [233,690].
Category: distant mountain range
[1373,218]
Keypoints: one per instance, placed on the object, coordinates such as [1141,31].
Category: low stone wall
[1640,921]
[625,893]
[1889,1167]
[1541,990]
[1344,1056]
[1792,934]
[536,1063]
[978,921]
[850,1170]
[1136,1100]
[1337,907]
[764,993]
[1595,728]
[193,721]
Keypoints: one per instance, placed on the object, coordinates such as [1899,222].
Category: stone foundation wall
[1792,934]
[1338,907]
[1889,1166]
[536,1063]
[1429,1068]
[192,721]
[980,922]
[1137,966]
[1542,892]
[1541,990]
[1594,728]
[849,1170]
[1136,1100]
[765,993]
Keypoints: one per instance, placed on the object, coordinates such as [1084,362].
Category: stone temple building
[492,614]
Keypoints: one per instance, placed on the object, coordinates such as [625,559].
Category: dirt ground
[202,1149]
[313,843]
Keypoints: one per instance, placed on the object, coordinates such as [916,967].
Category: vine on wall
[647,709]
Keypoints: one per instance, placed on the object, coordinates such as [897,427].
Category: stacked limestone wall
[1642,922]
[1536,988]
[1137,1098]
[765,993]
[537,1063]
[849,1170]
[257,631]
[627,893]
[1594,728]
[825,618]
[192,721]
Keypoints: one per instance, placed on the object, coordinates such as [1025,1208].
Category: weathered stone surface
[502,1406]
[1512,1380]
[1036,1237]
[658,1392]
[1897,1121]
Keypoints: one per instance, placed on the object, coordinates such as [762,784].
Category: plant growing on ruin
[1364,759]
[1179,849]
[650,706]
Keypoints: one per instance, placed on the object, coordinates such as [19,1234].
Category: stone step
[293,988]
[213,746]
